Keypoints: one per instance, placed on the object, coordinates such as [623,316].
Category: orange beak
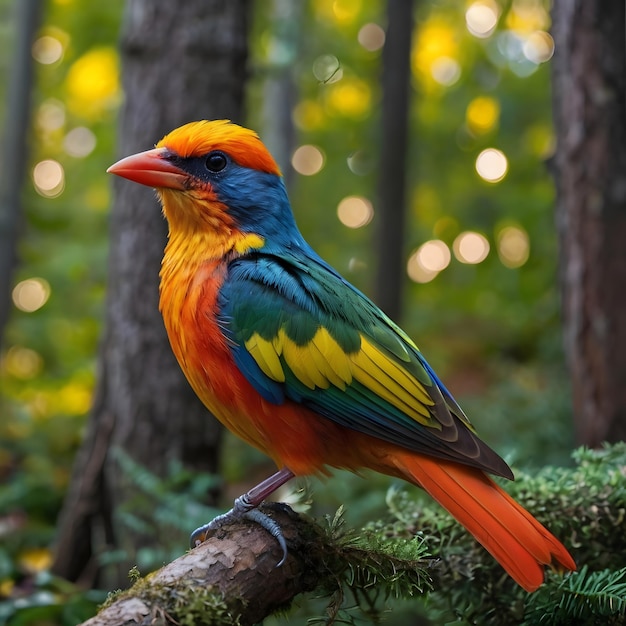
[151,168]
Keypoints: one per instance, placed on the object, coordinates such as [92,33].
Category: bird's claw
[242,509]
[272,527]
[199,535]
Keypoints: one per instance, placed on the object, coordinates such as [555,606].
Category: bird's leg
[245,506]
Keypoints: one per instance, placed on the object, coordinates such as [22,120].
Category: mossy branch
[232,578]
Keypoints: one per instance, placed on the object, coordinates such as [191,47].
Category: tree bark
[391,213]
[233,577]
[181,62]
[233,574]
[589,78]
[279,89]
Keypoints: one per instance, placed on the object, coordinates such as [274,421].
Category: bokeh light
[371,36]
[35,560]
[360,162]
[417,273]
[31,294]
[355,264]
[92,82]
[50,115]
[79,142]
[21,362]
[307,160]
[527,16]
[327,69]
[346,11]
[470,247]
[308,115]
[435,53]
[492,165]
[355,211]
[513,246]
[445,70]
[74,398]
[47,50]
[349,98]
[428,260]
[49,178]
[538,47]
[481,18]
[482,114]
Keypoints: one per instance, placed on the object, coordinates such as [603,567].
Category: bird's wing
[299,331]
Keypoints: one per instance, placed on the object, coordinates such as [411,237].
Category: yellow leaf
[349,97]
[6,587]
[35,560]
[92,83]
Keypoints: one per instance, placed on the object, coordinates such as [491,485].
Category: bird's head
[215,178]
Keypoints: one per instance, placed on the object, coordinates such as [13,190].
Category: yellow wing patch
[387,380]
[318,364]
[322,363]
[299,361]
[266,357]
[334,362]
[395,373]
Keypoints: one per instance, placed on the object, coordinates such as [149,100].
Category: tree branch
[232,578]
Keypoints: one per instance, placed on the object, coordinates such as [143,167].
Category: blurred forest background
[479,281]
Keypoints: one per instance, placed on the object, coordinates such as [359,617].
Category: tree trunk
[279,89]
[14,146]
[181,62]
[391,213]
[590,117]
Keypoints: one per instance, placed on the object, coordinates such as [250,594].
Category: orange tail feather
[510,533]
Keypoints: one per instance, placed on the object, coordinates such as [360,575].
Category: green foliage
[166,508]
[530,402]
[371,569]
[587,597]
[50,600]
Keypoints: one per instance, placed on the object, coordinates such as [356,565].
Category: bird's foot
[242,509]
[245,507]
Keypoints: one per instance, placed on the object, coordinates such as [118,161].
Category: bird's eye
[216,162]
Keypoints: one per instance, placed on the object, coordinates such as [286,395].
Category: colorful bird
[296,361]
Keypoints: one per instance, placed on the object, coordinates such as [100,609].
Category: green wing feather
[299,331]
